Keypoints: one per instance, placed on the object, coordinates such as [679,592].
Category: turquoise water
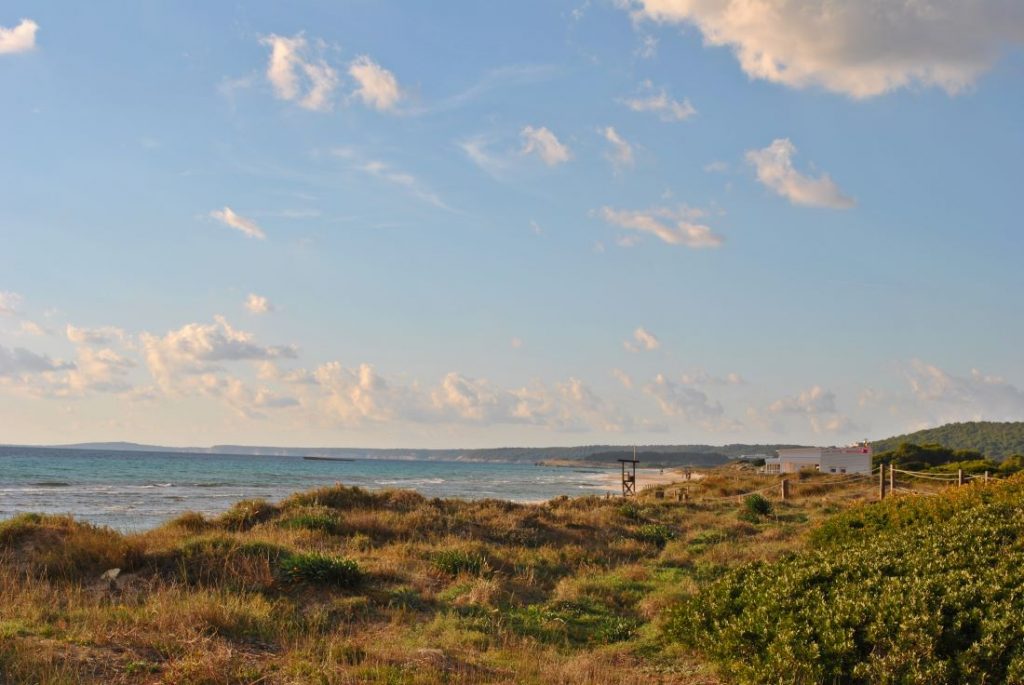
[139,490]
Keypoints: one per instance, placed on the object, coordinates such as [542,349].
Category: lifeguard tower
[629,475]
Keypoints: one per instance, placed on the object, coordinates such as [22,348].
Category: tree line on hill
[913,457]
[993,439]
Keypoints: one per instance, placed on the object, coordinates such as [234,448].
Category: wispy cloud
[658,101]
[673,226]
[774,165]
[378,87]
[295,76]
[543,143]
[9,303]
[228,217]
[621,153]
[643,339]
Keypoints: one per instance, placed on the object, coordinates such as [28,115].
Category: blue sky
[384,223]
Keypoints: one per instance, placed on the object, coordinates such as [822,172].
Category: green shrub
[322,521]
[656,534]
[757,505]
[319,569]
[247,513]
[907,591]
[456,561]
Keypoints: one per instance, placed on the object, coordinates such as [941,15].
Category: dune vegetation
[341,585]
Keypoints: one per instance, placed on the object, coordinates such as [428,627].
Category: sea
[135,491]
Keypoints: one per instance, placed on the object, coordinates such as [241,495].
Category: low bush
[456,561]
[319,569]
[930,596]
[656,534]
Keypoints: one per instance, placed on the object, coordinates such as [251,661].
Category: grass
[341,585]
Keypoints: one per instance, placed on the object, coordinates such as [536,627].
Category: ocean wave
[411,481]
[51,484]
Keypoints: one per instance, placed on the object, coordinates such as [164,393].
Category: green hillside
[992,438]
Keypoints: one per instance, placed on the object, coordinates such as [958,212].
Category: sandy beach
[647,478]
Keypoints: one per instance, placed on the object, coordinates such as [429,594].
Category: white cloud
[21,38]
[378,87]
[516,343]
[716,167]
[98,370]
[642,340]
[257,304]
[228,217]
[294,77]
[544,144]
[945,397]
[658,101]
[197,349]
[103,335]
[860,48]
[9,303]
[18,361]
[477,149]
[623,377]
[31,328]
[406,180]
[813,400]
[622,152]
[774,165]
[689,403]
[673,226]
[702,378]
[648,47]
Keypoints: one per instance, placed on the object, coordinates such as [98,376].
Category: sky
[465,224]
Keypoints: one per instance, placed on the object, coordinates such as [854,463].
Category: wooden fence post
[881,481]
[986,477]
[959,477]
[892,479]
[785,489]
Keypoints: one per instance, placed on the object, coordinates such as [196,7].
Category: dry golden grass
[569,591]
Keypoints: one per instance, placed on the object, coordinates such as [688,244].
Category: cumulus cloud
[673,226]
[978,396]
[17,361]
[257,304]
[296,77]
[658,101]
[621,153]
[31,328]
[774,165]
[228,217]
[21,38]
[98,370]
[102,335]
[676,399]
[9,303]
[642,340]
[544,144]
[570,405]
[813,400]
[860,49]
[198,348]
[624,378]
[378,87]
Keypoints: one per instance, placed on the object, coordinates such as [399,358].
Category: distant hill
[652,455]
[992,438]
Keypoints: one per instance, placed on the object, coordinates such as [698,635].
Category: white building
[856,459]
